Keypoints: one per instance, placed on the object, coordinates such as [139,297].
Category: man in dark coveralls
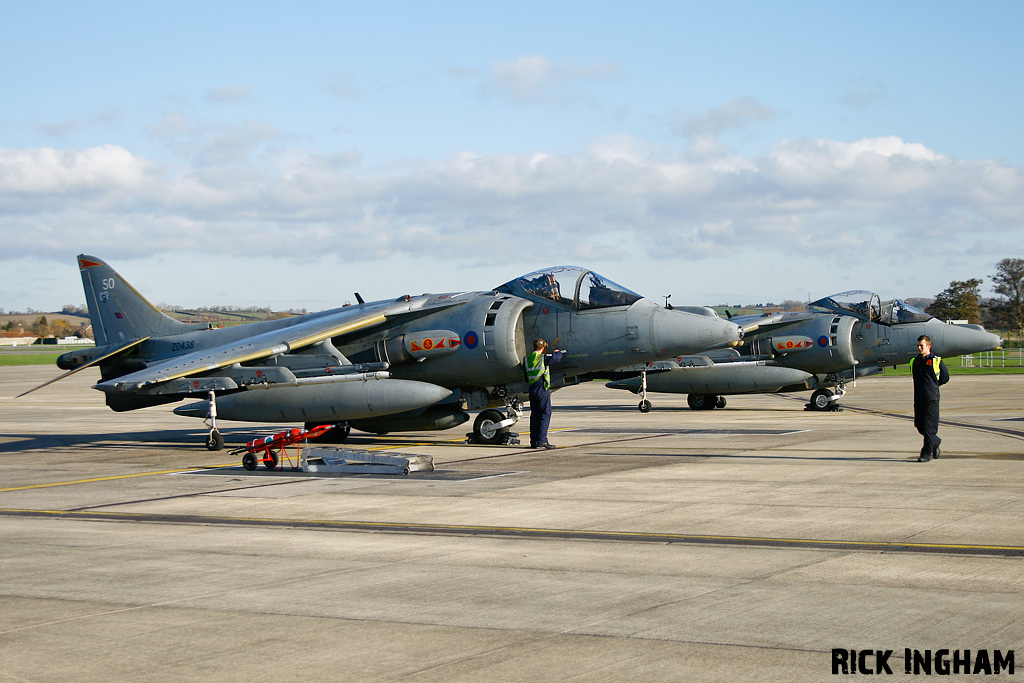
[929,374]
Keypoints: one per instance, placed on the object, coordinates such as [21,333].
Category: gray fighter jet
[841,338]
[411,363]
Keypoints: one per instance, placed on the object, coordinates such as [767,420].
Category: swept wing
[758,323]
[307,332]
[124,348]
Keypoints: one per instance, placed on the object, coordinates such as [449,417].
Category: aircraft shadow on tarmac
[165,438]
[185,439]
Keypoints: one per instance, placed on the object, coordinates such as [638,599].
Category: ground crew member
[929,373]
[538,376]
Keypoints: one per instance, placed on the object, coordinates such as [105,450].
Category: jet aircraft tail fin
[118,312]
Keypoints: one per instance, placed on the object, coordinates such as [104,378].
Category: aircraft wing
[752,323]
[700,360]
[124,348]
[310,330]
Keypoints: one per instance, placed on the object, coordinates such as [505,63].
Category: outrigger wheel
[214,441]
[645,405]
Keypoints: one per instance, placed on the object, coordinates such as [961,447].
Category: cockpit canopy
[571,286]
[868,306]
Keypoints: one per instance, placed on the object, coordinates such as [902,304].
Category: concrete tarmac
[739,544]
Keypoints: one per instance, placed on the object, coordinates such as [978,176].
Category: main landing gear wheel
[821,400]
[485,429]
[702,401]
[214,442]
[645,406]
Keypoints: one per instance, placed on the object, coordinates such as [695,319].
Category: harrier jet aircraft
[842,337]
[411,363]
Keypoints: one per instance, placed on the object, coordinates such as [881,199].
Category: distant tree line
[962,299]
[41,327]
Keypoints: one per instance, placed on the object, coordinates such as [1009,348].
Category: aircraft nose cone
[678,332]
[958,340]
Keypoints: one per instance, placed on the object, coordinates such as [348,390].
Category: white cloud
[59,130]
[821,200]
[532,78]
[734,114]
[228,94]
[211,144]
[33,178]
[863,96]
[342,84]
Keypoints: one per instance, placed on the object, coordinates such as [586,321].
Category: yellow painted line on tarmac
[521,532]
[644,535]
[401,445]
[111,478]
[450,441]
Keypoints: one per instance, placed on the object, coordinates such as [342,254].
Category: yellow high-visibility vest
[537,368]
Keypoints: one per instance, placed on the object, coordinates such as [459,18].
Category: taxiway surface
[736,544]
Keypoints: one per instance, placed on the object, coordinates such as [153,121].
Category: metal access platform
[357,461]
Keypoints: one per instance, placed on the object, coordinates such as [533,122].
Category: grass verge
[27,358]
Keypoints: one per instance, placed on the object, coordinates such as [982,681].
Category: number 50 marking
[108,283]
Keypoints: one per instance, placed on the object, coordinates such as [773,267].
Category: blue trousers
[540,413]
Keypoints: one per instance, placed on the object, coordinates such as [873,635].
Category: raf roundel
[471,340]
[822,340]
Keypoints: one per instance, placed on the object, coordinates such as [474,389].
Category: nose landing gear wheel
[485,430]
[645,406]
[214,442]
[821,400]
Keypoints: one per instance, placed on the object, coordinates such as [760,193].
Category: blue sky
[289,154]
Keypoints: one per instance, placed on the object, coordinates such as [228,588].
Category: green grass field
[36,354]
[955,369]
[20,357]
